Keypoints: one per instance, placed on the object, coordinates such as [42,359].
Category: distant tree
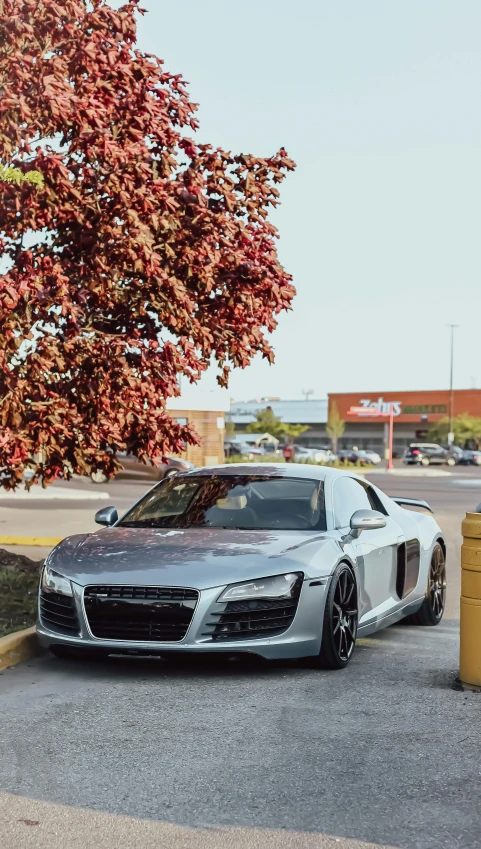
[335,426]
[466,428]
[267,422]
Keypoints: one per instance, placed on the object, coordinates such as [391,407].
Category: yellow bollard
[470,637]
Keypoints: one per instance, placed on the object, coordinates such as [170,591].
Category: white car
[313,455]
[372,456]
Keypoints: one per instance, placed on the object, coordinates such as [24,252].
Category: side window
[349,496]
[375,501]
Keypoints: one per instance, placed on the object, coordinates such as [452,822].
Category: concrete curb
[18,647]
[45,541]
[51,493]
[414,473]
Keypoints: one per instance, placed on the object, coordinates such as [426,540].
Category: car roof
[275,470]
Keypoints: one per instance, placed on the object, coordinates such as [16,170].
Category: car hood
[197,557]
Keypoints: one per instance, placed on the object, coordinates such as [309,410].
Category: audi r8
[280,561]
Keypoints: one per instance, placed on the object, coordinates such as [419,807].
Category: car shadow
[116,667]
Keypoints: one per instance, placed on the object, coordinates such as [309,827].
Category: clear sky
[379,104]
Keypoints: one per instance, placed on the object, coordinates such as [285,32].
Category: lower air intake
[252,620]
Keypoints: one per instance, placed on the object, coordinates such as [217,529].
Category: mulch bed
[19,577]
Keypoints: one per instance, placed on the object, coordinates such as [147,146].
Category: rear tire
[432,609]
[425,461]
[339,628]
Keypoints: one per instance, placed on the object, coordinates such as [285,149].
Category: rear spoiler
[411,502]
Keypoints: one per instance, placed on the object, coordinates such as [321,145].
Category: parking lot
[247,754]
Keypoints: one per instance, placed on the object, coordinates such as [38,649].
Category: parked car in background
[242,449]
[156,472]
[307,455]
[323,454]
[426,454]
[464,457]
[354,455]
[313,455]
[301,453]
[372,456]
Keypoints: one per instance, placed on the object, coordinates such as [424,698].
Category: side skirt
[390,619]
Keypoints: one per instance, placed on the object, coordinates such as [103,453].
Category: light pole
[451,391]
[390,464]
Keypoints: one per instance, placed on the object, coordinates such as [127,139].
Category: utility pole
[451,391]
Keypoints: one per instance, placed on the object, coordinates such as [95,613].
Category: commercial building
[414,414]
[312,413]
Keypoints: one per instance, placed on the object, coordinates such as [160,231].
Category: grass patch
[19,578]
[256,458]
[276,458]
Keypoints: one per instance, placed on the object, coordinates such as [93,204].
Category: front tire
[339,628]
[425,461]
[451,461]
[432,610]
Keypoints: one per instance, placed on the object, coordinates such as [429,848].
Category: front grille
[139,614]
[252,620]
[58,612]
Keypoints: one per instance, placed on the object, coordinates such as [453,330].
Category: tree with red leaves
[144,257]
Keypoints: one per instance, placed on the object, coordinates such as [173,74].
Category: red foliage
[145,256]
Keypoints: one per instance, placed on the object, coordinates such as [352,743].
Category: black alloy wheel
[433,606]
[340,620]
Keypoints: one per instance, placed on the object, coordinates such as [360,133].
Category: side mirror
[366,520]
[107,516]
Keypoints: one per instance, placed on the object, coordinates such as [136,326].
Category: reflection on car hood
[197,557]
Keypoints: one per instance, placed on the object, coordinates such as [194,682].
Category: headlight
[52,582]
[279,586]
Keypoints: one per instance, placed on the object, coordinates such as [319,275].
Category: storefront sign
[382,407]
[410,407]
[426,409]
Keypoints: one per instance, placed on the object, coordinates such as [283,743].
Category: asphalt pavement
[151,753]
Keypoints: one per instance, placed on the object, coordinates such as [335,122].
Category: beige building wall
[205,411]
[210,426]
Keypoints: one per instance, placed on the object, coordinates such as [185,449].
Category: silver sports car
[281,561]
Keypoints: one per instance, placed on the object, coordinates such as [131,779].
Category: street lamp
[451,391]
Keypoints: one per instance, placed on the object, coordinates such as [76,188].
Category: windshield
[242,502]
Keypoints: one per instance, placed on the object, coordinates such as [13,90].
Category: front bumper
[301,639]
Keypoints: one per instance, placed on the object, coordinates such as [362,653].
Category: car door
[375,551]
[437,454]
